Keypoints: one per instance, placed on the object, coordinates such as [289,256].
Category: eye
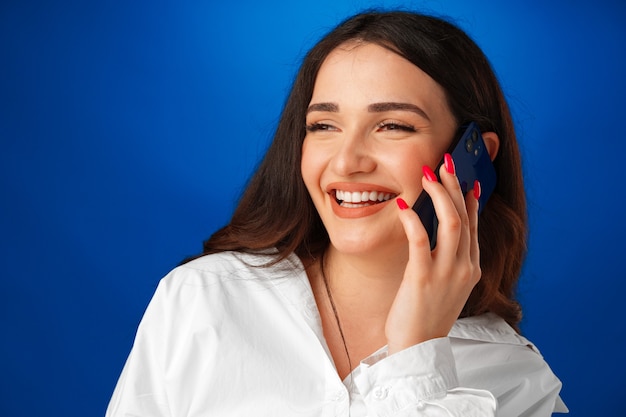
[320,127]
[391,126]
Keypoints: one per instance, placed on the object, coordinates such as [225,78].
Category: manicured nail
[449,163]
[428,173]
[477,189]
[402,204]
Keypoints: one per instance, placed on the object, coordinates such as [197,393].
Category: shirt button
[339,395]
[380,393]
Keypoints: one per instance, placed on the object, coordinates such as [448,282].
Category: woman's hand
[436,284]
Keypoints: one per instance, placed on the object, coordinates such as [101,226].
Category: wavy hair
[276,211]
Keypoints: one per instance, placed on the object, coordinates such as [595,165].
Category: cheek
[310,166]
[408,165]
[412,180]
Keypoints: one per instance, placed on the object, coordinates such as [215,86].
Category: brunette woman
[322,296]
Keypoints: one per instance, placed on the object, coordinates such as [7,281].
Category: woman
[322,295]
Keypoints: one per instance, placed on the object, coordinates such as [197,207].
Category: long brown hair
[276,211]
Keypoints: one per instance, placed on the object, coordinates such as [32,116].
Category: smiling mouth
[357,199]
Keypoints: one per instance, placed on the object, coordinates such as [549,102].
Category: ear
[492,142]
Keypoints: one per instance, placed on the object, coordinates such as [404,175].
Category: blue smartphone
[472,162]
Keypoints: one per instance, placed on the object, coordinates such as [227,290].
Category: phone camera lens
[474,136]
[469,145]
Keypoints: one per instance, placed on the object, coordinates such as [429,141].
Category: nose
[353,155]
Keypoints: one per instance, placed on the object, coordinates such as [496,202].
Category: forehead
[377,74]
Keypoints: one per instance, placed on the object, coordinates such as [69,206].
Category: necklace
[334,308]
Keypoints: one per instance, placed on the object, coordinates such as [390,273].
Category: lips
[353,201]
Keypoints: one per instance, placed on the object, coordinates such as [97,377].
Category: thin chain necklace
[334,308]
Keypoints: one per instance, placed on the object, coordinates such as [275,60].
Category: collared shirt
[225,336]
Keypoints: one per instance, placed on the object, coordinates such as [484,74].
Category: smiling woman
[367,136]
[322,295]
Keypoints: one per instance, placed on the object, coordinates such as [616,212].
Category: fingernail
[477,189]
[402,204]
[449,163]
[428,173]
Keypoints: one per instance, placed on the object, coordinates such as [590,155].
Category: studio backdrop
[129,128]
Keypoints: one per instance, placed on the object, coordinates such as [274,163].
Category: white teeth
[356,197]
[347,197]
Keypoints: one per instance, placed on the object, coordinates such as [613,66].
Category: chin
[367,246]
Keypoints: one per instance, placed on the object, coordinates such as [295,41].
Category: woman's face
[373,121]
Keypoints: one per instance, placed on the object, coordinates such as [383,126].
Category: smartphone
[472,162]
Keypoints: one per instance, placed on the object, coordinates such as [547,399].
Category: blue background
[128,129]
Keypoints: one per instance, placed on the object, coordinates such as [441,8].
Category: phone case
[472,162]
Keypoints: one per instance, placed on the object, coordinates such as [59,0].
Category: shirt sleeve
[140,390]
[419,381]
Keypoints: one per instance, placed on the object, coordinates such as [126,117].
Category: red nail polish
[428,173]
[477,189]
[449,163]
[402,204]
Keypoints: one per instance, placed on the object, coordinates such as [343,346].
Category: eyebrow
[373,108]
[329,107]
[382,107]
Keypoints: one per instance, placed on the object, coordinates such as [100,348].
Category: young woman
[322,296]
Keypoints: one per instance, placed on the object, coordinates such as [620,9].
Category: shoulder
[491,355]
[232,267]
[490,333]
[488,342]
[220,287]
[488,328]
[219,281]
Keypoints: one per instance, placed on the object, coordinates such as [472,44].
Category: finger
[471,201]
[450,224]
[451,183]
[419,244]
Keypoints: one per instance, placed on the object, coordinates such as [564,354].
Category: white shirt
[225,337]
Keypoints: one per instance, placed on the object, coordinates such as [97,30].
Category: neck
[354,295]
[364,285]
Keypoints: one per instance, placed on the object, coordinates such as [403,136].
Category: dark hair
[276,210]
